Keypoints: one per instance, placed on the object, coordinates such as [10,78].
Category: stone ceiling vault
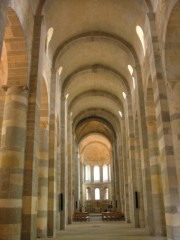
[93,42]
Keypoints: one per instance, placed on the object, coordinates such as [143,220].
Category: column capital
[18,87]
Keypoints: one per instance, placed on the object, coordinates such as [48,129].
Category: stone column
[140,192]
[119,175]
[114,176]
[52,161]
[156,179]
[64,180]
[144,155]
[131,167]
[43,184]
[167,158]
[125,167]
[81,181]
[12,162]
[70,182]
[120,202]
[76,177]
[30,188]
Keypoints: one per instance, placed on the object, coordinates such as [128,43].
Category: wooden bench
[81,216]
[112,216]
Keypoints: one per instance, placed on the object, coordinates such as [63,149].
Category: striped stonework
[58,172]
[139,184]
[76,177]
[30,188]
[70,185]
[125,172]
[120,158]
[126,189]
[64,179]
[167,159]
[131,165]
[43,184]
[172,61]
[52,162]
[135,166]
[144,155]
[156,179]
[12,162]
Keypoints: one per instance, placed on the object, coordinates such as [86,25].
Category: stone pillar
[57,148]
[144,155]
[167,158]
[139,185]
[156,179]
[131,167]
[3,14]
[125,158]
[120,202]
[12,162]
[119,175]
[64,180]
[30,188]
[81,185]
[58,179]
[113,178]
[43,184]
[79,180]
[70,182]
[76,177]
[52,161]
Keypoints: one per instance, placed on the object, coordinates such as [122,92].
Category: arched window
[97,194]
[106,194]
[87,173]
[96,173]
[105,173]
[131,70]
[140,34]
[88,193]
[60,70]
[48,38]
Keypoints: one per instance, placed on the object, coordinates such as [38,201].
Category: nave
[101,230]
[89,118]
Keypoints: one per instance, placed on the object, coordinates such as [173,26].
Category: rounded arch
[97,102]
[95,35]
[105,121]
[96,93]
[94,137]
[17,58]
[172,63]
[14,59]
[95,68]
[94,150]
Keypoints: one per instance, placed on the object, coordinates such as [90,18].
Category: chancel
[89,119]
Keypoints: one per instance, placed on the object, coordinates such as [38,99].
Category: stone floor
[98,230]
